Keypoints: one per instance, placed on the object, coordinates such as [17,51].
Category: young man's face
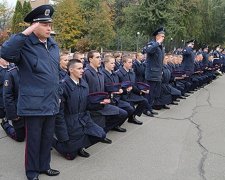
[110,65]
[77,70]
[43,30]
[140,57]
[96,60]
[128,64]
[64,61]
[79,57]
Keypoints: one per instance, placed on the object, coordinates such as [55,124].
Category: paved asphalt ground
[186,142]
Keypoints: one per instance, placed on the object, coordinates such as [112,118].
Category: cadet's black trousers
[39,136]
[155,90]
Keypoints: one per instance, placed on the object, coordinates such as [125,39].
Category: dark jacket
[10,92]
[74,121]
[95,81]
[139,69]
[39,74]
[63,75]
[2,78]
[134,95]
[154,61]
[188,60]
[113,78]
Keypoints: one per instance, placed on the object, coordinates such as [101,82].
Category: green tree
[68,23]
[26,8]
[98,17]
[17,18]
[5,16]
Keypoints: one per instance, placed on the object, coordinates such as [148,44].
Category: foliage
[5,15]
[68,23]
[18,24]
[114,24]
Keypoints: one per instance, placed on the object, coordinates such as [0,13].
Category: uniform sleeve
[151,47]
[9,99]
[11,49]
[61,131]
[186,51]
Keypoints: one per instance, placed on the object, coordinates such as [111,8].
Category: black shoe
[165,107]
[154,113]
[174,103]
[34,178]
[177,100]
[148,113]
[107,141]
[119,129]
[83,153]
[51,172]
[4,124]
[186,95]
[182,97]
[135,121]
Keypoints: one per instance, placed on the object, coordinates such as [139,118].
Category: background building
[36,3]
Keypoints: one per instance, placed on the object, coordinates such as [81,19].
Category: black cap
[97,97]
[143,86]
[161,30]
[191,41]
[126,84]
[40,14]
[112,87]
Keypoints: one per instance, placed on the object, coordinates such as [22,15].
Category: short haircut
[64,52]
[77,53]
[91,54]
[125,58]
[116,54]
[107,58]
[72,62]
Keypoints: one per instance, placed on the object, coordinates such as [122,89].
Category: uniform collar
[72,84]
[92,70]
[34,39]
[123,71]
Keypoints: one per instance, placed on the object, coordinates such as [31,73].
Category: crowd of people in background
[112,89]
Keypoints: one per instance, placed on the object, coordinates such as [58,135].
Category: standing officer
[37,57]
[188,58]
[154,64]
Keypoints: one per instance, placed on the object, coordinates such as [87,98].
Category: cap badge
[47,12]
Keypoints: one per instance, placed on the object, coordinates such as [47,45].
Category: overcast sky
[11,3]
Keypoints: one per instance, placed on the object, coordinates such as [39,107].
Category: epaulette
[12,68]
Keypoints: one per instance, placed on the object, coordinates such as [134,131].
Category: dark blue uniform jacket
[74,121]
[154,61]
[10,92]
[39,74]
[188,60]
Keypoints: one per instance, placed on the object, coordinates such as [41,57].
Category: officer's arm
[11,49]
[187,51]
[151,47]
[9,98]
[61,131]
